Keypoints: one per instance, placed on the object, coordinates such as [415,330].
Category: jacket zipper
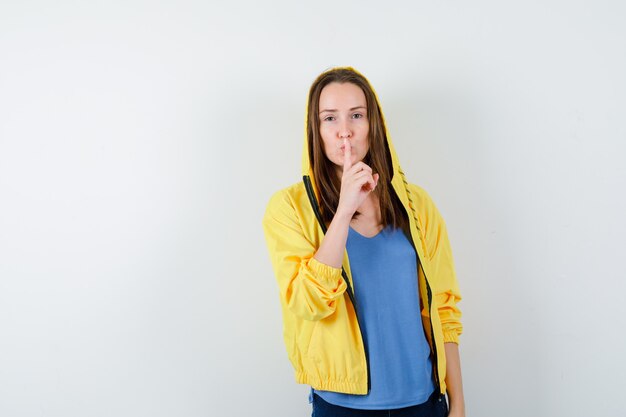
[432,333]
[318,215]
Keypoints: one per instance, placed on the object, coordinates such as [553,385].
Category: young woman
[364,268]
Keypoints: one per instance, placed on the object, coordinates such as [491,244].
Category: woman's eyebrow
[334,110]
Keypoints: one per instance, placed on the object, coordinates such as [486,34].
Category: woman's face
[343,114]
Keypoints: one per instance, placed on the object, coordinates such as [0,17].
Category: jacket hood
[307,169]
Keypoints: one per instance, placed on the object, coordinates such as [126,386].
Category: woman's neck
[368,222]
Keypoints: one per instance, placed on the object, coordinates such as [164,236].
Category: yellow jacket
[320,326]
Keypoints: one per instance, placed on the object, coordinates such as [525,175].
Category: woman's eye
[357,116]
[329,118]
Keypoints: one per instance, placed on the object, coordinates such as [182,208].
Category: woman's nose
[344,131]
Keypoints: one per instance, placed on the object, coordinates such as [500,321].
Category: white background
[140,142]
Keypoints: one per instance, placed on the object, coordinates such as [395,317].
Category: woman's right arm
[333,244]
[308,287]
[309,277]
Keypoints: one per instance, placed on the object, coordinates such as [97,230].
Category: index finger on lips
[347,155]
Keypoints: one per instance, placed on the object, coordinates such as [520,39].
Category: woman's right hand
[357,182]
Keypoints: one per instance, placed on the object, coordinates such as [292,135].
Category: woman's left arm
[454,381]
[446,295]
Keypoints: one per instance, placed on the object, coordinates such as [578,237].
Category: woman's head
[342,104]
[343,123]
[354,113]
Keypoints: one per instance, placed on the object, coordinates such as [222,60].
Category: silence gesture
[357,181]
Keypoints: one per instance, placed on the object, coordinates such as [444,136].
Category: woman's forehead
[346,96]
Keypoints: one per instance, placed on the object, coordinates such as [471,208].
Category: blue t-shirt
[384,272]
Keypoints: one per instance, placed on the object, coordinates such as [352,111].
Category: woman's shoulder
[289,193]
[419,193]
[423,202]
[287,199]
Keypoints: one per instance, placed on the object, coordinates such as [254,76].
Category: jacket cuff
[450,337]
[326,272]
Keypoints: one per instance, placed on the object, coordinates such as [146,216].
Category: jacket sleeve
[443,281]
[309,288]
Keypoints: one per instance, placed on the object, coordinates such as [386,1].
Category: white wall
[140,142]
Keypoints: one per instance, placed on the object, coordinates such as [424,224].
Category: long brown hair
[378,157]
